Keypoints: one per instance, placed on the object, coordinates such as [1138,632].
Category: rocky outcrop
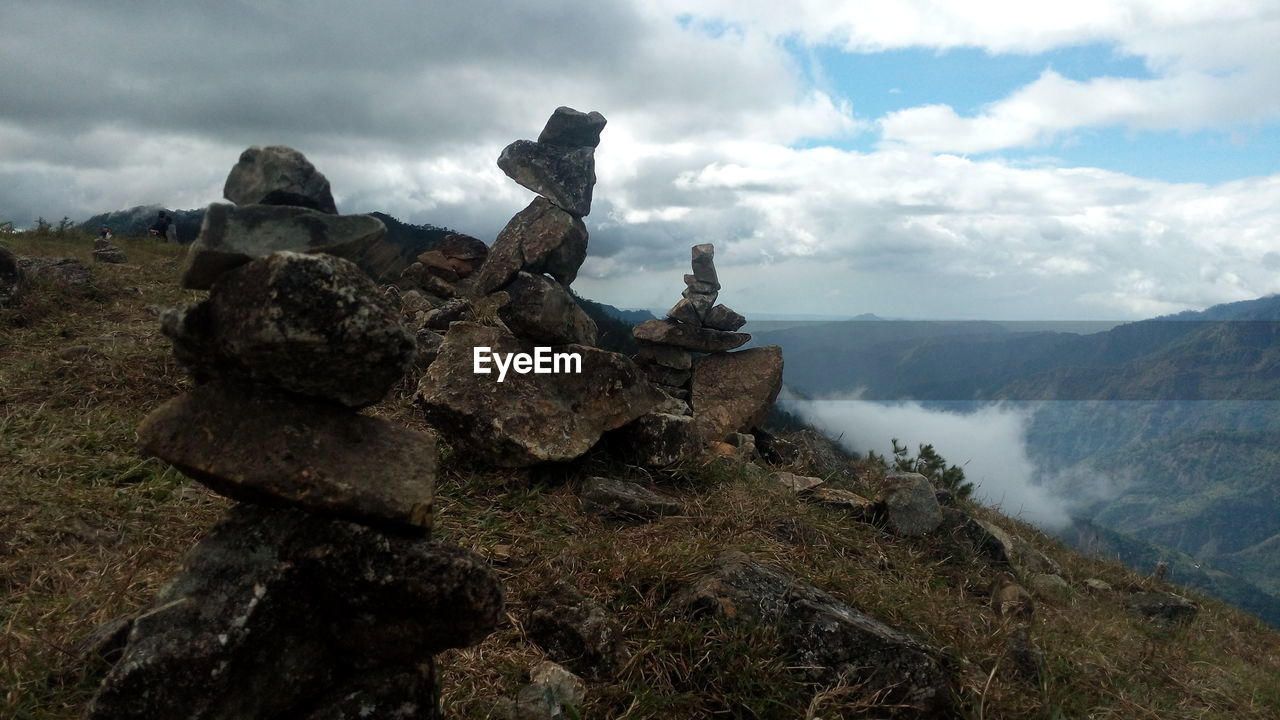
[560,166]
[732,392]
[827,640]
[231,236]
[526,417]
[278,175]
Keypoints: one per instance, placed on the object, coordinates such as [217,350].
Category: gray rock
[1049,586]
[691,309]
[543,311]
[795,483]
[1096,586]
[542,238]
[825,639]
[63,271]
[694,286]
[666,376]
[529,418]
[656,440]
[565,176]
[573,128]
[821,455]
[450,311]
[577,632]
[463,247]
[310,324]
[231,236]
[1003,547]
[278,175]
[851,502]
[1163,608]
[732,392]
[664,355]
[909,506]
[429,342]
[553,693]
[13,280]
[110,254]
[688,337]
[704,267]
[276,609]
[278,449]
[722,318]
[625,500]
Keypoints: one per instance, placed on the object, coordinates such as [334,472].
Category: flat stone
[543,311]
[529,418]
[282,613]
[688,337]
[565,176]
[278,175]
[625,500]
[909,506]
[572,128]
[310,324]
[722,318]
[1003,547]
[450,311]
[656,440]
[542,238]
[795,483]
[826,640]
[284,450]
[732,392]
[231,236]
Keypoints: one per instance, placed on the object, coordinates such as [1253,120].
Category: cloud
[989,444]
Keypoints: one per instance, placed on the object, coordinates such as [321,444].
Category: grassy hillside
[89,530]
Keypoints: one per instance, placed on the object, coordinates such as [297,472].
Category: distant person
[171,230]
[159,227]
[105,233]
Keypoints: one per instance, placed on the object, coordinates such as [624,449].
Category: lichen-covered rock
[689,337]
[732,392]
[563,175]
[279,449]
[278,175]
[827,640]
[542,238]
[625,500]
[909,506]
[276,609]
[310,324]
[1162,607]
[13,280]
[656,440]
[529,417]
[63,271]
[231,236]
[573,128]
[538,309]
[575,631]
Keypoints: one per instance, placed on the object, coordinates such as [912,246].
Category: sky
[909,158]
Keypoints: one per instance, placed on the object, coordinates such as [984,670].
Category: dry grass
[89,530]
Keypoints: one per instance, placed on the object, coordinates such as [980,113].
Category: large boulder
[231,236]
[13,279]
[827,640]
[539,309]
[689,337]
[520,419]
[563,175]
[277,609]
[286,450]
[278,175]
[572,128]
[732,392]
[542,238]
[310,324]
[909,505]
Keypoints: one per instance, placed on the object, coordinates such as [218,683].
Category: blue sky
[1100,159]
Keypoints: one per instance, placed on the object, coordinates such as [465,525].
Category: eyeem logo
[541,362]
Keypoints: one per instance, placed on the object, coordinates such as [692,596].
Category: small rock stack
[515,307]
[321,597]
[694,324]
[446,271]
[105,252]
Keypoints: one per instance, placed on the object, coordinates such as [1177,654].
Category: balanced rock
[689,337]
[231,236]
[722,318]
[563,175]
[732,392]
[542,238]
[529,417]
[275,609]
[573,128]
[576,631]
[909,506]
[626,500]
[538,309]
[278,175]
[656,440]
[310,324]
[12,278]
[279,449]
[704,268]
[827,640]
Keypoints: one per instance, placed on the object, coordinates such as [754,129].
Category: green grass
[90,530]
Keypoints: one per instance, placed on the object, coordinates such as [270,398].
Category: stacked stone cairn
[320,594]
[715,397]
[105,252]
[519,300]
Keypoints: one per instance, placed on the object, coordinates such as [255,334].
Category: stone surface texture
[278,175]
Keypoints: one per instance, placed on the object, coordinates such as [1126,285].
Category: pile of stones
[105,252]
[320,596]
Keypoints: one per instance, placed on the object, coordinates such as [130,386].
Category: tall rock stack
[320,595]
[519,301]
